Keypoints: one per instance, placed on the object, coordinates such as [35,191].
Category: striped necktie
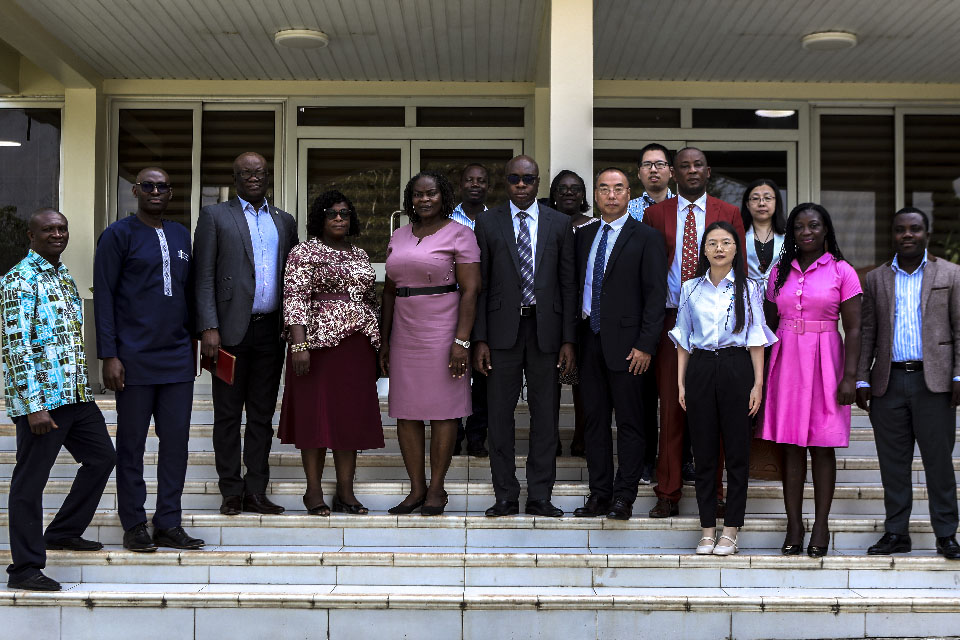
[599,264]
[525,252]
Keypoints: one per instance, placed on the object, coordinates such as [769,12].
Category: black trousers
[910,413]
[255,386]
[543,392]
[476,424]
[170,405]
[83,432]
[605,391]
[718,399]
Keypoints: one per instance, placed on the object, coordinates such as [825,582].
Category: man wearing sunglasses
[525,326]
[143,299]
[240,249]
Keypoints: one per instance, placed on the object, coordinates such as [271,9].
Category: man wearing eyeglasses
[240,249]
[143,302]
[525,326]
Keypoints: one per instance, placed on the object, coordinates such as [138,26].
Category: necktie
[688,257]
[599,262]
[525,251]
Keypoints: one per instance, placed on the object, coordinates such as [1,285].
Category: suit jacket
[634,291]
[940,301]
[224,267]
[663,217]
[555,287]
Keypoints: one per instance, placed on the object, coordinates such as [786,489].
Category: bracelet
[300,347]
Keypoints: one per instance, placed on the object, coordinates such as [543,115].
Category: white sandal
[726,550]
[706,549]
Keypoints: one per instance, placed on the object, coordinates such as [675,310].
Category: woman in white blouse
[720,336]
[764,222]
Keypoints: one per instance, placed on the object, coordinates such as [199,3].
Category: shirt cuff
[862,384]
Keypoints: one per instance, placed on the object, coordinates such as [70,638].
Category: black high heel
[317,510]
[402,509]
[427,510]
[815,551]
[791,549]
[353,509]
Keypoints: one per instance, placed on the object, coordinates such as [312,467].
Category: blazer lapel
[712,213]
[889,288]
[543,231]
[622,240]
[670,229]
[929,276]
[505,222]
[589,233]
[241,220]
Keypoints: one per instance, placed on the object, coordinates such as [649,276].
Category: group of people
[658,296]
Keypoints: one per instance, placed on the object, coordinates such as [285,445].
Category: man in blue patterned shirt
[49,400]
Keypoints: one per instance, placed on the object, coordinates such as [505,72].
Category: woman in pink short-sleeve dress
[811,381]
[429,303]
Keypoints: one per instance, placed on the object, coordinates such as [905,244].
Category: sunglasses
[332,214]
[150,187]
[527,178]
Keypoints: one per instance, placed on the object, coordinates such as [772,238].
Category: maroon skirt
[334,406]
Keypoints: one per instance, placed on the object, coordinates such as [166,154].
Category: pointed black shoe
[594,506]
[503,508]
[542,508]
[73,544]
[947,547]
[402,509]
[791,549]
[137,538]
[817,552]
[36,582]
[891,543]
[176,538]
[620,510]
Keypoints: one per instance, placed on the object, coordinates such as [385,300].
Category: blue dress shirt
[908,313]
[615,227]
[459,216]
[266,251]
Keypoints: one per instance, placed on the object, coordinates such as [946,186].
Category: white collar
[700,203]
[617,224]
[532,211]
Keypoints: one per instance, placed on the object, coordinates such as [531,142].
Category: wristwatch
[463,343]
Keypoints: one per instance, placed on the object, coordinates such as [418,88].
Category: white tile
[262,574]
[894,625]
[403,549]
[909,593]
[126,587]
[529,576]
[659,577]
[662,625]
[395,624]
[655,539]
[749,625]
[671,592]
[273,536]
[136,575]
[803,578]
[480,624]
[527,538]
[268,588]
[109,623]
[402,589]
[63,573]
[36,623]
[756,592]
[374,575]
[889,578]
[403,537]
[259,623]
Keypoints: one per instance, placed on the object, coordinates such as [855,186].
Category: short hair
[779,222]
[596,178]
[697,149]
[36,213]
[471,166]
[655,146]
[922,214]
[317,218]
[447,199]
[552,201]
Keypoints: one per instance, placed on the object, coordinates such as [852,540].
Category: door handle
[393,219]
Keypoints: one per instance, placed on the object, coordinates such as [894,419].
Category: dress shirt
[707,316]
[638,206]
[533,213]
[673,276]
[45,365]
[266,250]
[615,227]
[459,216]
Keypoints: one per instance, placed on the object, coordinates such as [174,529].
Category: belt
[527,311]
[330,296]
[909,365]
[406,292]
[801,326]
[722,352]
[256,317]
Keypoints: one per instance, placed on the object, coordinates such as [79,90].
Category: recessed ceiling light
[301,38]
[774,113]
[9,143]
[829,40]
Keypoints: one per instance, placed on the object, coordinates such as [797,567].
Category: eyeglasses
[246,174]
[574,189]
[150,187]
[713,244]
[759,199]
[332,214]
[618,190]
[660,165]
[527,178]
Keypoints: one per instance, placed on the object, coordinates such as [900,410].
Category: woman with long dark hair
[763,220]
[812,378]
[720,336]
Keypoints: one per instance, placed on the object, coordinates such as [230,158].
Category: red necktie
[688,257]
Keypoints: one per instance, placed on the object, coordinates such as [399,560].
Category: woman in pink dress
[429,302]
[811,382]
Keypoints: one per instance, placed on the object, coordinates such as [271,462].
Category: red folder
[223,367]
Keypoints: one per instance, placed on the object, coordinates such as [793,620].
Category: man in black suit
[622,271]
[240,249]
[526,324]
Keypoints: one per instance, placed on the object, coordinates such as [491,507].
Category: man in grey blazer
[239,250]
[909,380]
[525,324]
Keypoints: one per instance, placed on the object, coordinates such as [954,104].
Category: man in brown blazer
[909,380]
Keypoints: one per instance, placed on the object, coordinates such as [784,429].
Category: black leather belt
[718,353]
[909,365]
[406,292]
[529,310]
[257,317]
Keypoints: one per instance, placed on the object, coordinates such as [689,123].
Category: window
[351,116]
[742,119]
[225,135]
[469,116]
[636,118]
[932,177]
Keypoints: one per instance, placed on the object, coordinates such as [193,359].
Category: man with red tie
[681,221]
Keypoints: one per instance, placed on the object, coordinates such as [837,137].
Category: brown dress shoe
[664,509]
[259,503]
[232,505]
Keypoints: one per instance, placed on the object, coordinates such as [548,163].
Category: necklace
[769,235]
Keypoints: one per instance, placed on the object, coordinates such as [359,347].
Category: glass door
[451,156]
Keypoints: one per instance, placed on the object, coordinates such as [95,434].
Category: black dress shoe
[947,547]
[891,543]
[593,507]
[232,505]
[664,509]
[503,508]
[815,551]
[542,508]
[36,582]
[689,474]
[477,450]
[621,510]
[137,538]
[176,538]
[73,544]
[259,503]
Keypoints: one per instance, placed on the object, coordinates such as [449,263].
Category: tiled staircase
[463,575]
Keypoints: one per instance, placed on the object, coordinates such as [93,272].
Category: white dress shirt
[615,227]
[533,214]
[673,276]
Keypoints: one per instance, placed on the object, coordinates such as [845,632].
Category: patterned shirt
[638,206]
[459,216]
[44,362]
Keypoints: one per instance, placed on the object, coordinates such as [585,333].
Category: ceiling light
[9,143]
[774,113]
[829,41]
[301,38]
